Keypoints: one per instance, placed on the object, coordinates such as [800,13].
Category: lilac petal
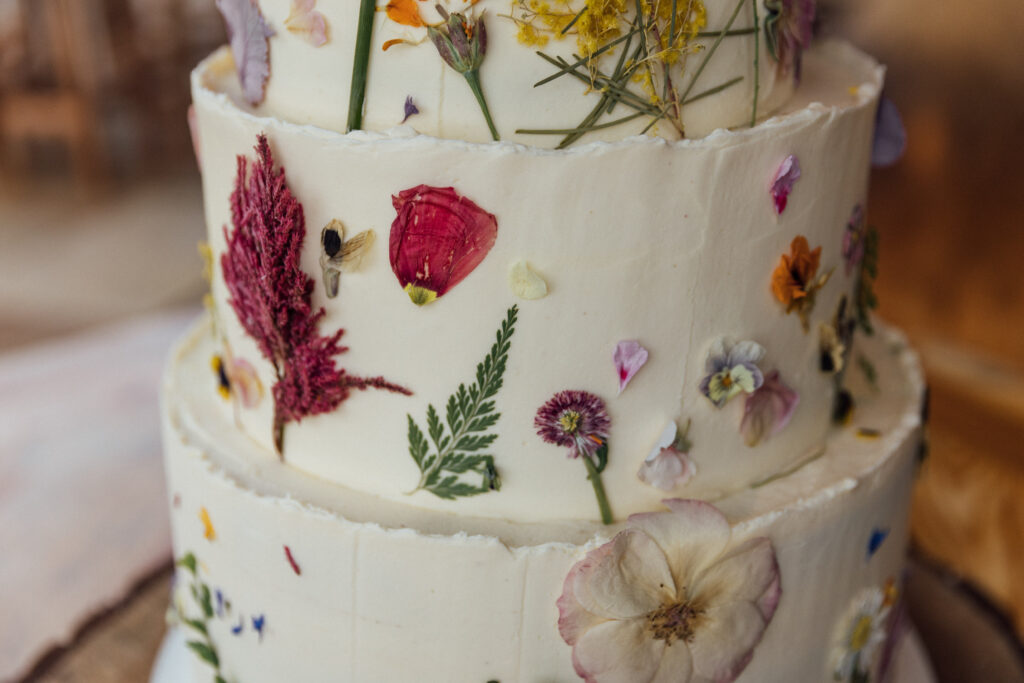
[890,136]
[768,410]
[782,184]
[745,353]
[629,357]
[410,108]
[667,469]
[248,34]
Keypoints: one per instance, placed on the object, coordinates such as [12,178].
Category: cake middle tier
[423,250]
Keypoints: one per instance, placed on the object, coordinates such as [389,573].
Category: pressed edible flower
[404,12]
[861,634]
[208,532]
[437,239]
[890,139]
[307,22]
[525,283]
[836,339]
[628,357]
[410,108]
[731,369]
[768,410]
[338,254]
[669,465]
[579,422]
[794,280]
[782,184]
[249,37]
[462,43]
[788,29]
[854,240]
[672,597]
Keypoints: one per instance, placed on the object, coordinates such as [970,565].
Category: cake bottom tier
[286,577]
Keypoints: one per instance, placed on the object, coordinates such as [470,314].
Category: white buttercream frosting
[391,593]
[672,244]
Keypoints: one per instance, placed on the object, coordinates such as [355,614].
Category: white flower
[861,633]
[669,465]
[670,599]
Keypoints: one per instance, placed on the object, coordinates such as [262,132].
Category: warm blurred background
[100,212]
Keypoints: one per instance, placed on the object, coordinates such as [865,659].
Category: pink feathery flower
[271,295]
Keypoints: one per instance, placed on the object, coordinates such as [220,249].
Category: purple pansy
[782,184]
[731,369]
[768,410]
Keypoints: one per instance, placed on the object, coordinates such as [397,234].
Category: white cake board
[172,663]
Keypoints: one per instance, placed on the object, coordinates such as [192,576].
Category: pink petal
[307,22]
[724,643]
[676,664]
[193,129]
[618,652]
[692,535]
[248,34]
[782,184]
[630,581]
[750,573]
[668,469]
[573,620]
[768,410]
[629,357]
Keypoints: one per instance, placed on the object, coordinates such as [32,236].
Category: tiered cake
[597,411]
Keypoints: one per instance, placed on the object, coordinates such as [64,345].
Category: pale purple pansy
[629,356]
[768,410]
[782,183]
[731,369]
[249,36]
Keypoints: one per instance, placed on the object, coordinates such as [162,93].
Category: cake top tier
[540,72]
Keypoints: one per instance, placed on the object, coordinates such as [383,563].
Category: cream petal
[676,664]
[691,536]
[632,579]
[724,640]
[618,652]
[573,619]
[750,573]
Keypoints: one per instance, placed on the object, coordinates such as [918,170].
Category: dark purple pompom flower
[575,419]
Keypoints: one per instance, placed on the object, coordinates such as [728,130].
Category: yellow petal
[525,283]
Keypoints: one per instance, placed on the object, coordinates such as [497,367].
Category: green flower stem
[595,478]
[360,64]
[757,63]
[473,78]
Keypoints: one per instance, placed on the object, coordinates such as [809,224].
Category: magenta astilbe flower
[788,29]
[579,421]
[271,295]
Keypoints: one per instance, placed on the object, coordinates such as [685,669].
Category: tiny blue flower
[237,629]
[878,537]
[257,623]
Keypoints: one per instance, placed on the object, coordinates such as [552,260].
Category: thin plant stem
[711,50]
[360,64]
[757,63]
[595,479]
[473,78]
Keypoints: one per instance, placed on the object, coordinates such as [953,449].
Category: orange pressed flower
[793,281]
[404,12]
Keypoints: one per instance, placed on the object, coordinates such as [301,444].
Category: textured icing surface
[311,85]
[671,244]
[375,573]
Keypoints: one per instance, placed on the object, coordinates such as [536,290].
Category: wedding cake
[539,348]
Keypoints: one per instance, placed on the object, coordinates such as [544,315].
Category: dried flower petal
[854,240]
[249,36]
[789,28]
[525,283]
[404,12]
[768,410]
[890,136]
[793,280]
[307,22]
[410,107]
[731,369]
[669,464]
[208,532]
[437,239]
[628,357]
[782,184]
